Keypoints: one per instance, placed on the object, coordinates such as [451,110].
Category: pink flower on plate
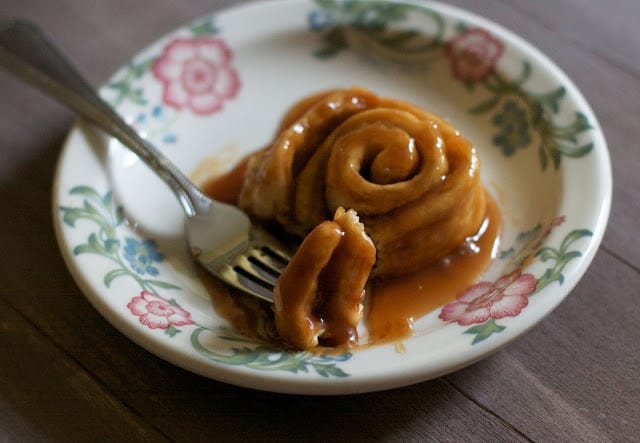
[558,220]
[157,313]
[196,74]
[473,54]
[504,298]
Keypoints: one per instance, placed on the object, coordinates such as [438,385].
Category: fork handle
[27,53]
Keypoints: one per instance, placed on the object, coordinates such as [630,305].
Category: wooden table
[68,375]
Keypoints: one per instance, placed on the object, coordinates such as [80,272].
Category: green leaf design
[87,191]
[542,155]
[107,217]
[555,141]
[162,284]
[171,331]
[559,257]
[486,105]
[96,244]
[204,28]
[552,99]
[84,249]
[461,27]
[524,74]
[107,199]
[581,123]
[139,69]
[93,246]
[90,209]
[327,4]
[328,370]
[400,38]
[484,330]
[580,151]
[384,25]
[335,42]
[558,141]
[118,215]
[111,245]
[547,254]
[112,275]
[125,85]
[572,237]
[556,258]
[70,215]
[371,20]
[269,358]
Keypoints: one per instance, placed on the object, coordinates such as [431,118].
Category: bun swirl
[411,177]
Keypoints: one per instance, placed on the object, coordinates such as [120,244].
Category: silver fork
[221,237]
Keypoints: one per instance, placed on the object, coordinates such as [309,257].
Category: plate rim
[284,382]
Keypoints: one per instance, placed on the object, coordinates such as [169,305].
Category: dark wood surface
[68,375]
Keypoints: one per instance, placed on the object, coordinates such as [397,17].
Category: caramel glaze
[411,177]
[248,315]
[395,304]
[318,298]
[392,304]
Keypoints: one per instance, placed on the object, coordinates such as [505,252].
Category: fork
[221,237]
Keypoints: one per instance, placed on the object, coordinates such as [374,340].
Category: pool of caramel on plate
[392,305]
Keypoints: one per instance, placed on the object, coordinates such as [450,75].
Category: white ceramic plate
[544,159]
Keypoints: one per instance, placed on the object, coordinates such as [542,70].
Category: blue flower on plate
[513,128]
[319,20]
[157,111]
[141,255]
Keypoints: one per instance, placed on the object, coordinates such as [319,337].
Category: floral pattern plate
[214,90]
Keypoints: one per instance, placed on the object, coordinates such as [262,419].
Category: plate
[215,89]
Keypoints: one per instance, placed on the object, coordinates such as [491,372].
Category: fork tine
[248,282]
[267,260]
[276,254]
[251,267]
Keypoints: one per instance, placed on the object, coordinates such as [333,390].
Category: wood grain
[45,394]
[67,375]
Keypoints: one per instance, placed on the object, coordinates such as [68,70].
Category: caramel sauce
[226,187]
[249,316]
[393,305]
